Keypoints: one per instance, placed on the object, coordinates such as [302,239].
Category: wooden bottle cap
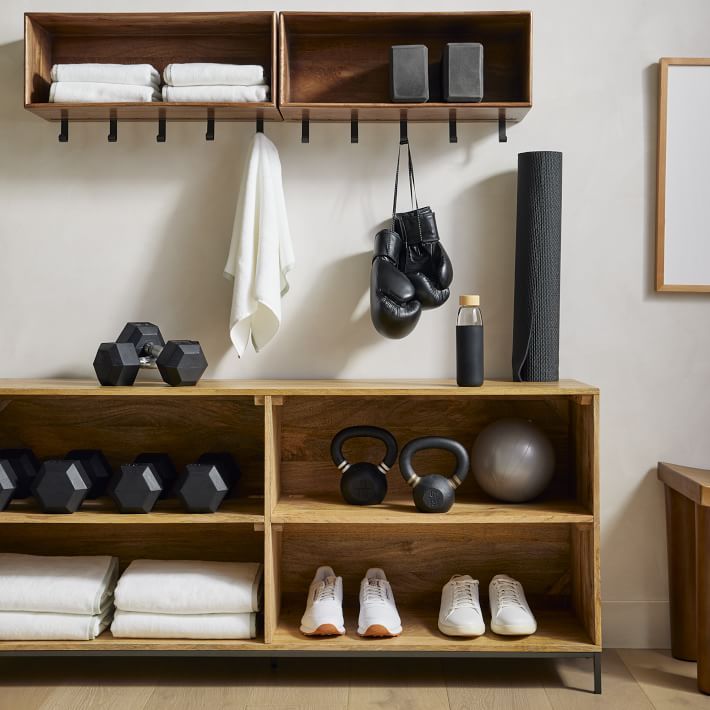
[469,300]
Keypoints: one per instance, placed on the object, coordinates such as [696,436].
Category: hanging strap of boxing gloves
[412,189]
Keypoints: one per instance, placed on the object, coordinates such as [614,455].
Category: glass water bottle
[469,343]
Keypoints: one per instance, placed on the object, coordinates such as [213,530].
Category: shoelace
[326,590]
[375,591]
[508,593]
[463,594]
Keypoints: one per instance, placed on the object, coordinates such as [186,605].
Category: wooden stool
[688,526]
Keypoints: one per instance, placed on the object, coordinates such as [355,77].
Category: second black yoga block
[462,72]
[409,73]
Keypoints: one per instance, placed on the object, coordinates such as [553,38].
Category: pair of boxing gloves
[411,272]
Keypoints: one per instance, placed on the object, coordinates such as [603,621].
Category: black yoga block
[536,318]
[409,73]
[462,72]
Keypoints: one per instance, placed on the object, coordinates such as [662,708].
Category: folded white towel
[127,624]
[261,253]
[63,585]
[136,74]
[189,587]
[203,74]
[35,626]
[72,92]
[216,94]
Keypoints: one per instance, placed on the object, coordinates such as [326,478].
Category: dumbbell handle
[149,354]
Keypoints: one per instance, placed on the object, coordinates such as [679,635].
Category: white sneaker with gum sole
[460,611]
[510,613]
[378,612]
[324,609]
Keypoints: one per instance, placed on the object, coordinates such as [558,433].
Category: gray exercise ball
[513,460]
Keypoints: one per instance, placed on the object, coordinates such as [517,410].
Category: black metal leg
[597,673]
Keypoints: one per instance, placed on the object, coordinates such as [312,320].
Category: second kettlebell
[363,483]
[434,493]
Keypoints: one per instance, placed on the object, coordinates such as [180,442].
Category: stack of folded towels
[104,83]
[225,83]
[55,598]
[188,599]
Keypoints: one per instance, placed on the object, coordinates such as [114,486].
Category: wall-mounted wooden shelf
[151,38]
[335,66]
[290,515]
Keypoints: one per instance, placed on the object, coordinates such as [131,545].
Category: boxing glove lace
[393,307]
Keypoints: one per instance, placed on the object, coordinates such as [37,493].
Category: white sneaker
[324,610]
[378,612]
[460,611]
[510,613]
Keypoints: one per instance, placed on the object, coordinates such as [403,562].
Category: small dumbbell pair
[200,488]
[365,483]
[141,345]
[58,485]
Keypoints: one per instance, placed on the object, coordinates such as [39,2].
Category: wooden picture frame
[683,183]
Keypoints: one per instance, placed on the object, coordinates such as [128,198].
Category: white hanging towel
[261,252]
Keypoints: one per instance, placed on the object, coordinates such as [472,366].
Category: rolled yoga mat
[536,320]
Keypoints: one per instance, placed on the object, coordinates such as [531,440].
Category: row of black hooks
[305,130]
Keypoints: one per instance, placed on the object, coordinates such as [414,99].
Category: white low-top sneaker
[324,609]
[378,612]
[510,613]
[460,611]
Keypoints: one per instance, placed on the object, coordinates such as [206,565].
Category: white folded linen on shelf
[39,626]
[72,92]
[218,94]
[128,624]
[261,252]
[189,587]
[62,585]
[134,74]
[205,74]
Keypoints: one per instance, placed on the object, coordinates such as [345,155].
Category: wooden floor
[633,680]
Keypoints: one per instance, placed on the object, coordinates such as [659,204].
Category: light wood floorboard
[633,680]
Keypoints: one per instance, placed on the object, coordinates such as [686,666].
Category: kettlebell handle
[363,432]
[434,442]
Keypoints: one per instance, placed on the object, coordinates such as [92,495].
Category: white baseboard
[635,625]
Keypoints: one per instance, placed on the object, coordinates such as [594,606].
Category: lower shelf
[558,632]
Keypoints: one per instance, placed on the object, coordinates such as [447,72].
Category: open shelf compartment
[542,557]
[335,66]
[306,486]
[151,38]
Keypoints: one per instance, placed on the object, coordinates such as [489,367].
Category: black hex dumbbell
[202,487]
[228,468]
[135,487]
[165,469]
[180,362]
[24,465]
[96,467]
[61,486]
[8,483]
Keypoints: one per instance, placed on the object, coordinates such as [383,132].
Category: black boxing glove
[424,259]
[393,307]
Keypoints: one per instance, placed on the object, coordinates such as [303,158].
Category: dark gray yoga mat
[536,319]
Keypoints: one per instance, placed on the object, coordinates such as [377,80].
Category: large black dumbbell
[227,467]
[164,468]
[24,465]
[96,467]
[135,487]
[202,486]
[61,486]
[180,362]
[8,483]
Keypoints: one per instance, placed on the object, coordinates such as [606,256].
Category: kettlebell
[434,493]
[363,483]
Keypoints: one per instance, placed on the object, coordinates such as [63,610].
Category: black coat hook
[354,137]
[502,135]
[305,130]
[453,137]
[161,129]
[209,135]
[63,130]
[403,137]
[259,125]
[112,129]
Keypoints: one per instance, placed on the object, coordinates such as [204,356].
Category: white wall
[93,234]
